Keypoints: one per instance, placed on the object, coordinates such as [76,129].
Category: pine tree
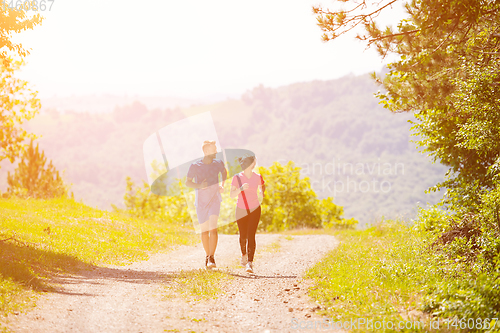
[447,73]
[32,178]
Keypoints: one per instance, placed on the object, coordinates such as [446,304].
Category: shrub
[33,178]
[140,202]
[290,202]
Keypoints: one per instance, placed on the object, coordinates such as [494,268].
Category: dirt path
[132,298]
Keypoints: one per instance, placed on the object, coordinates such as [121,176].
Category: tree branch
[356,18]
[391,35]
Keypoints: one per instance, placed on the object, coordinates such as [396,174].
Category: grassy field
[41,238]
[377,274]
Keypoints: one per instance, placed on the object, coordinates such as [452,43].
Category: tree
[290,202]
[442,46]
[33,178]
[14,21]
[448,74]
[17,102]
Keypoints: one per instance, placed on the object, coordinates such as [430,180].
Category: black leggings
[247,225]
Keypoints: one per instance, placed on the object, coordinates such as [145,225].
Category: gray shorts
[204,213]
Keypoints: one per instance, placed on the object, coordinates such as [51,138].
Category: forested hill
[350,147]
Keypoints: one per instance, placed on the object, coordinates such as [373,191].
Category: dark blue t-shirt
[200,171]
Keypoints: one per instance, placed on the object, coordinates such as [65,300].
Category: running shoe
[211,262]
[249,267]
[206,262]
[244,260]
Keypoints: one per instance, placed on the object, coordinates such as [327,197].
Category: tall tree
[15,20]
[18,103]
[442,46]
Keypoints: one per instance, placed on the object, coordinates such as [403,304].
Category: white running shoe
[211,262]
[244,260]
[249,267]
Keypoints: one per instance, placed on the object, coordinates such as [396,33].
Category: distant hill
[349,146]
[102,103]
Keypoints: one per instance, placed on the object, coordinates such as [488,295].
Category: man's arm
[190,183]
[223,174]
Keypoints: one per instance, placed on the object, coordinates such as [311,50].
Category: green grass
[273,247]
[42,238]
[197,284]
[379,273]
[310,231]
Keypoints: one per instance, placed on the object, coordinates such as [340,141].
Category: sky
[188,48]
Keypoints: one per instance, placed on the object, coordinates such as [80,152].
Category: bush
[433,219]
[469,258]
[290,202]
[331,216]
[32,178]
[140,202]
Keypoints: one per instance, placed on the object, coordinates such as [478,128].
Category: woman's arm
[261,189]
[262,186]
[235,190]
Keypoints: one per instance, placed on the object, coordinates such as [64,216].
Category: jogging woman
[245,185]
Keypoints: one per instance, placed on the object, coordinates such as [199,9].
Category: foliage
[331,215]
[34,179]
[475,237]
[391,272]
[326,121]
[447,72]
[17,104]
[470,263]
[376,273]
[290,202]
[465,136]
[15,20]
[466,297]
[432,219]
[429,41]
[140,202]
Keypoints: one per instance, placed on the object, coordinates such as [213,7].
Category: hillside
[350,147]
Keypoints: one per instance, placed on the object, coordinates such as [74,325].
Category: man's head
[209,148]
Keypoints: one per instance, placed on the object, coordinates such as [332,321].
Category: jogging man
[203,176]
